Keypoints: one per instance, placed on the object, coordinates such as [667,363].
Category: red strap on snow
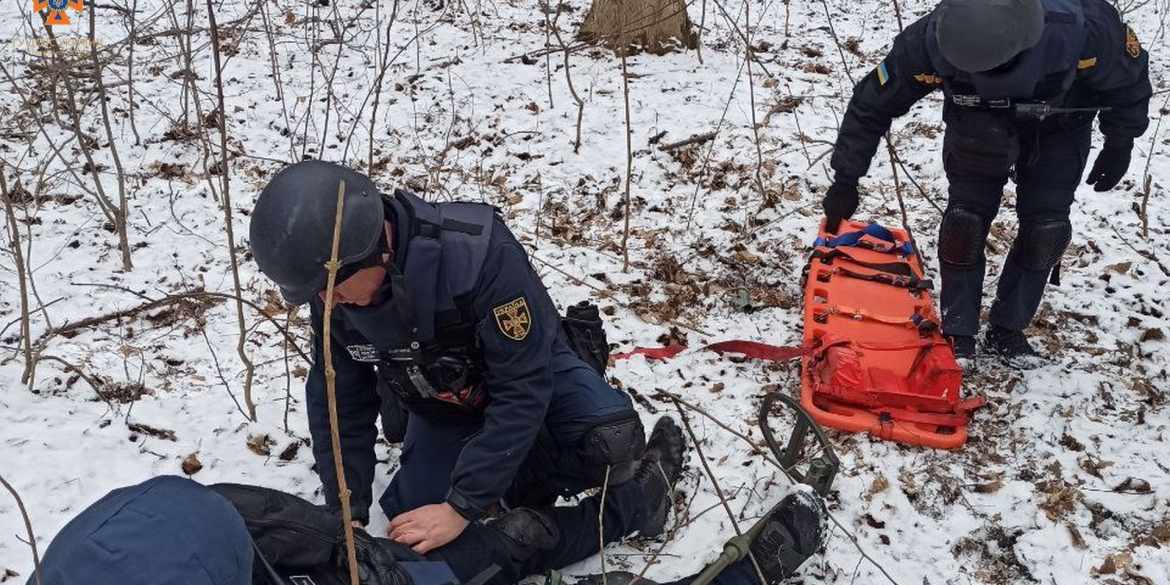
[752,349]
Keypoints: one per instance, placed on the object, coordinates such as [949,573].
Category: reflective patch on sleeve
[883,74]
[928,79]
[1132,45]
[1087,63]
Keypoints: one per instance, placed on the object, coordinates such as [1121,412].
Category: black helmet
[980,35]
[292,225]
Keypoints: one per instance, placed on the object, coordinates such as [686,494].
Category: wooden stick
[32,540]
[601,527]
[689,141]
[22,275]
[331,391]
[241,341]
[715,483]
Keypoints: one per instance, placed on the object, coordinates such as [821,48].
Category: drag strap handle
[873,230]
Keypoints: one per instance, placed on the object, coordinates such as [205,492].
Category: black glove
[1111,164]
[377,564]
[840,202]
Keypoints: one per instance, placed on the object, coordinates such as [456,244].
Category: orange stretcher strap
[923,323]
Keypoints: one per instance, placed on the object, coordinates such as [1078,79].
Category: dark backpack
[585,334]
[299,543]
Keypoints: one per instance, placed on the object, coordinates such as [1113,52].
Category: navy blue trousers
[1052,158]
[431,448]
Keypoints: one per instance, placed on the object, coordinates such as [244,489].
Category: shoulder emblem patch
[514,319]
[928,79]
[883,73]
[1132,45]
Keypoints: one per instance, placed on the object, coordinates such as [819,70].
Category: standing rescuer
[440,302]
[1001,64]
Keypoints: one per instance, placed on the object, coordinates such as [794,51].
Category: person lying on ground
[174,531]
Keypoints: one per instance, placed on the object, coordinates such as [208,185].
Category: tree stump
[656,26]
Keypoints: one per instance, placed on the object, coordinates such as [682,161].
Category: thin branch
[383,66]
[837,40]
[151,304]
[556,29]
[132,33]
[1146,173]
[288,371]
[85,142]
[629,163]
[601,526]
[249,368]
[219,373]
[901,200]
[123,203]
[32,539]
[677,400]
[696,139]
[715,484]
[331,391]
[699,31]
[21,270]
[748,56]
[623,304]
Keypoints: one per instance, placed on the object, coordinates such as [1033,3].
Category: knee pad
[526,532]
[1041,243]
[961,236]
[614,443]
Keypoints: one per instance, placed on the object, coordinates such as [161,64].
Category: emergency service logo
[514,319]
[57,13]
[1132,45]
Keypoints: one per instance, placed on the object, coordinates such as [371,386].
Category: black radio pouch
[585,334]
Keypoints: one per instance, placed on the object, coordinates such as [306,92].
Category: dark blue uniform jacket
[1086,58]
[165,530]
[476,289]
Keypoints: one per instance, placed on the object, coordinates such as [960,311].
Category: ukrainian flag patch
[883,74]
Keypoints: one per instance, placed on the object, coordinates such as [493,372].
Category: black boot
[660,470]
[963,346]
[1013,347]
[792,534]
[527,534]
[614,578]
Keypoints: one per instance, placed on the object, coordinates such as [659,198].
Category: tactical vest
[421,329]
[1044,73]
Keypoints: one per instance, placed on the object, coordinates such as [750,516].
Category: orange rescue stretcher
[875,359]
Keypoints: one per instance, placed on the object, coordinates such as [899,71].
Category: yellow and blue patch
[883,74]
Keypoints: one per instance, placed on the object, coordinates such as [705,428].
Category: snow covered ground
[1065,478]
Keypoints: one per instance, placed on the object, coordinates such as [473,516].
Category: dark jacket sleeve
[887,92]
[1118,79]
[357,411]
[519,379]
